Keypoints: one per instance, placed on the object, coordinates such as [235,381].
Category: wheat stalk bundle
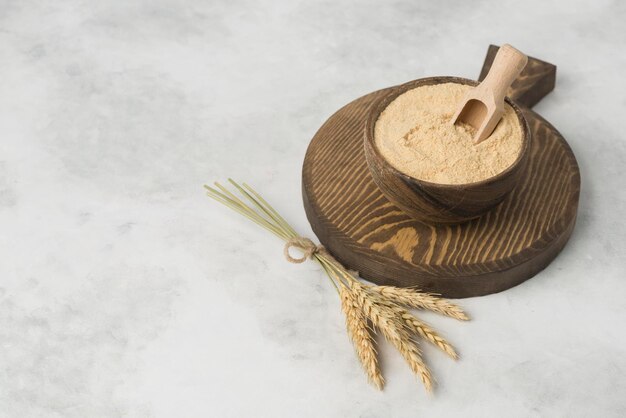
[366,307]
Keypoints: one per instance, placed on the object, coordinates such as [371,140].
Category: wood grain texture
[501,249]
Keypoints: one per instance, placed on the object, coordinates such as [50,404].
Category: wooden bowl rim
[381,104]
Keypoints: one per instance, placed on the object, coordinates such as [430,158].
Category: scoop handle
[507,65]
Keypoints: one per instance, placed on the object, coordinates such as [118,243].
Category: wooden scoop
[483,106]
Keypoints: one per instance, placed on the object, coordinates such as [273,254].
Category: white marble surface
[125,292]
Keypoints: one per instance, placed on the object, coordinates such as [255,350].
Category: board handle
[535,81]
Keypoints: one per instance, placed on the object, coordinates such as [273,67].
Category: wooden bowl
[432,202]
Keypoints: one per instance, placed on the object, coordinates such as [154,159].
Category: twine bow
[308,247]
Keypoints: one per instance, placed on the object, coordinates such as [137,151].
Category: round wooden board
[364,231]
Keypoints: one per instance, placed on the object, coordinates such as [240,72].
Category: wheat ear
[393,328]
[356,323]
[425,331]
[414,299]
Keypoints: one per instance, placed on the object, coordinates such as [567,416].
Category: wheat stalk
[414,299]
[356,323]
[382,305]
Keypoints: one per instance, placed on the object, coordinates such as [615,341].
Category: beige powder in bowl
[414,135]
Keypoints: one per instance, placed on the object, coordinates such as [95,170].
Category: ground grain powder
[414,135]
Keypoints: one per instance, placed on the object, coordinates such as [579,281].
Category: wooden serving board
[507,246]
